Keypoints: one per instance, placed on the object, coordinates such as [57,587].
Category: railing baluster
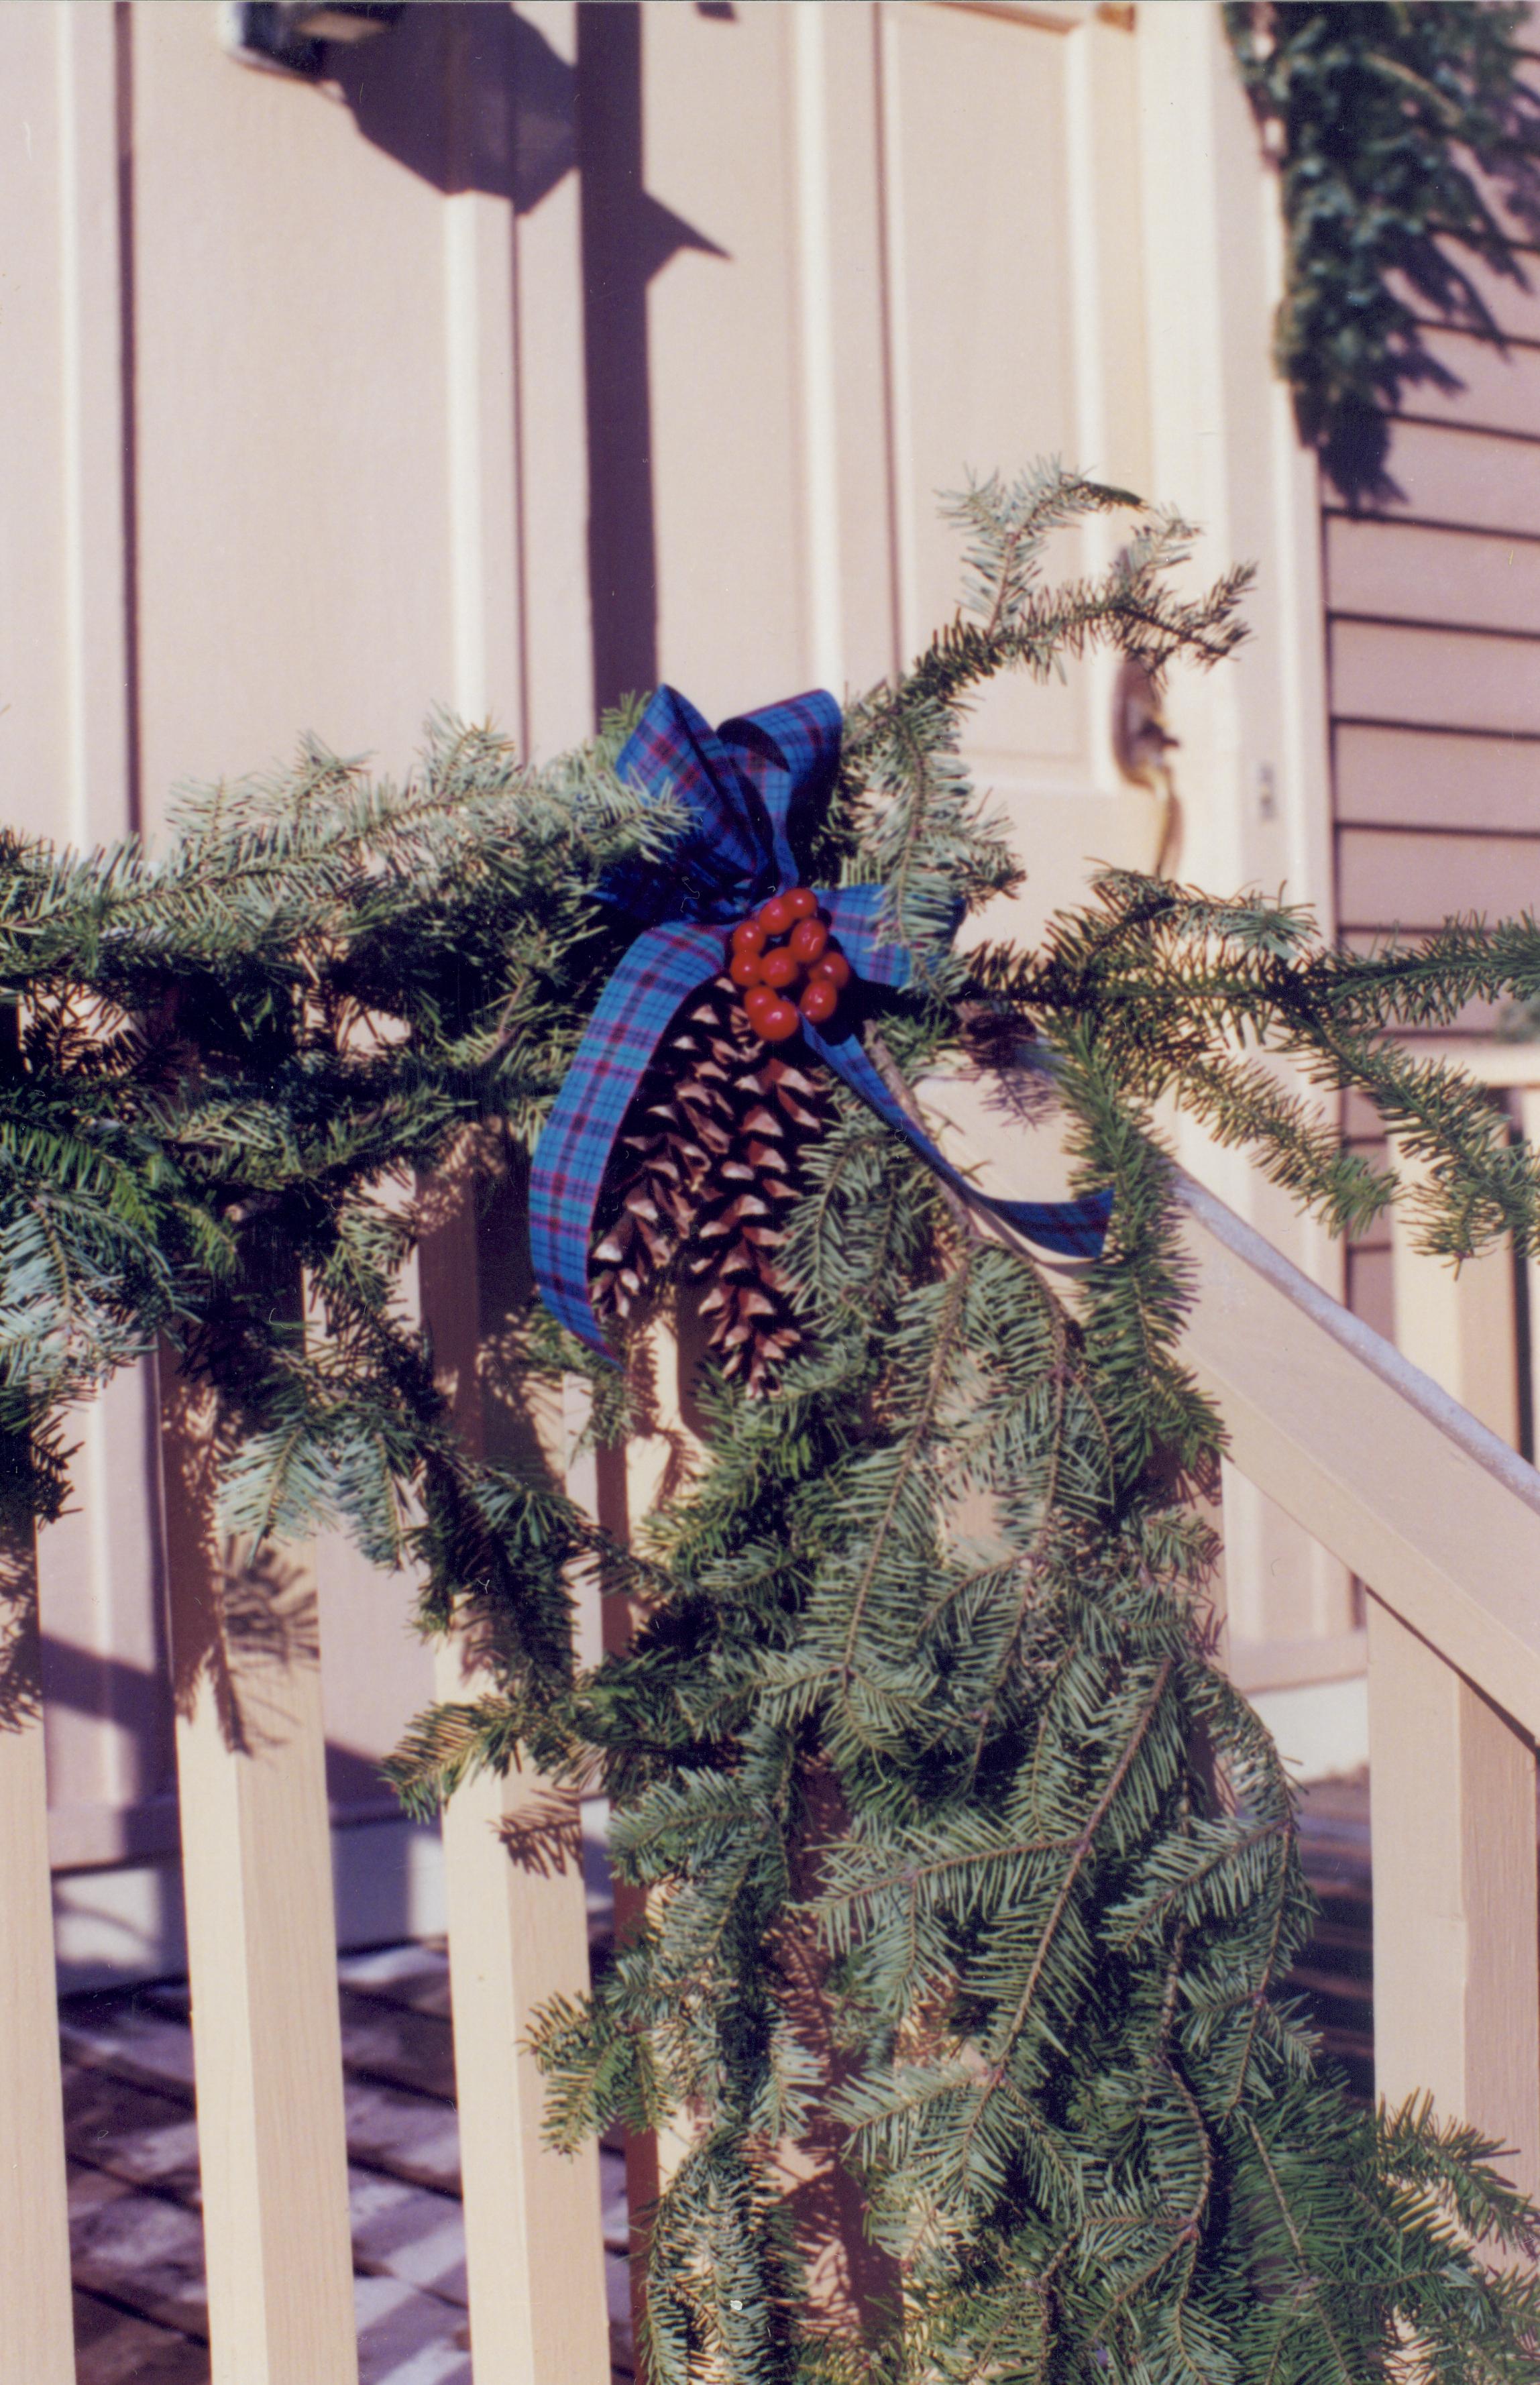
[518,1935]
[256,1869]
[37,2342]
[1456,1999]
[1460,1329]
[1528,1106]
[1452,1785]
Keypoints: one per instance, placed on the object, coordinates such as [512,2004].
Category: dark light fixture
[288,37]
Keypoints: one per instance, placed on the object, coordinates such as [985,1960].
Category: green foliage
[233,1063]
[1409,141]
[1186,993]
[949,1824]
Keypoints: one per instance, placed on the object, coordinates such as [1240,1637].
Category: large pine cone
[705,1172]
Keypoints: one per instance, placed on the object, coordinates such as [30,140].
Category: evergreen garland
[1401,128]
[949,1824]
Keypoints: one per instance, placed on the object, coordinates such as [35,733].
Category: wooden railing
[1441,1520]
[1478,1332]
[1415,1484]
[262,1950]
[1427,1505]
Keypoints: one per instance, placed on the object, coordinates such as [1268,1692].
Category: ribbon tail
[1075,1230]
[660,969]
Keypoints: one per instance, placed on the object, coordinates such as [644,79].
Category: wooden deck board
[144,2250]
[136,2228]
[1334,1976]
[141,2138]
[114,2347]
[136,2233]
[416,1976]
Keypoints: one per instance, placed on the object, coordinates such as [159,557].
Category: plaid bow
[744,789]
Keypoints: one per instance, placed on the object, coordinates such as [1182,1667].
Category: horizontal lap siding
[1402,778]
[1495,389]
[1420,881]
[1436,678]
[1399,571]
[1434,645]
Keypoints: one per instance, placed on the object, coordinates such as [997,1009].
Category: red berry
[743,969]
[779,969]
[808,940]
[821,1001]
[801,902]
[778,1022]
[776,915]
[748,936]
[834,966]
[758,1000]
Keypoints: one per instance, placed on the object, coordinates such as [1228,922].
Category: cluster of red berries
[787,969]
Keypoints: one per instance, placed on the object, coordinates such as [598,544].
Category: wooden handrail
[1385,1469]
[1327,1417]
[1441,1521]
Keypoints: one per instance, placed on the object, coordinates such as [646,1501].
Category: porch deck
[136,2233]
[131,2133]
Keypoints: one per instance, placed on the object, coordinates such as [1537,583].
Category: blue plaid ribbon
[745,789]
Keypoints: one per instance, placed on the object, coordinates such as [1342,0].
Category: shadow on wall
[473,98]
[111,1689]
[119,1915]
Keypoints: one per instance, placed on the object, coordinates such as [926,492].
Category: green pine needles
[965,1865]
[1407,136]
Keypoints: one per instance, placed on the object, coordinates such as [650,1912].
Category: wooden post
[656,1463]
[1457,1901]
[518,1934]
[1460,1328]
[1452,1788]
[1527,1103]
[850,2283]
[256,1872]
[37,2340]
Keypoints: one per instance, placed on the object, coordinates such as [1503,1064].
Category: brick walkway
[140,2310]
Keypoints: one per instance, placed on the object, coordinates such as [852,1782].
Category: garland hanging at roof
[1408,138]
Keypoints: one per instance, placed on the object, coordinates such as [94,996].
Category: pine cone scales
[705,1172]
